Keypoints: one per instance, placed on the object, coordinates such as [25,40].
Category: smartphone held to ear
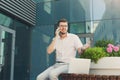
[58,31]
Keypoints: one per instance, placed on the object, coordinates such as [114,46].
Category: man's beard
[62,33]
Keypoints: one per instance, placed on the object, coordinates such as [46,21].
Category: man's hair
[61,20]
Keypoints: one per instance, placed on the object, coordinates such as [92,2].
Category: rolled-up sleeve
[78,43]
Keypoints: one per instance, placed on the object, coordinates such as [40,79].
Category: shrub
[94,53]
[103,43]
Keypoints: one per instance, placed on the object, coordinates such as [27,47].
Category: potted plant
[105,58]
[98,51]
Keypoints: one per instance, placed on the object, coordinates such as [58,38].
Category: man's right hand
[57,32]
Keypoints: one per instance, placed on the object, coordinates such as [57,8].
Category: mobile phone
[57,31]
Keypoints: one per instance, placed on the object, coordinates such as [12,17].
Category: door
[7,47]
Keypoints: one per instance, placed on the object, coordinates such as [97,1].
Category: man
[66,45]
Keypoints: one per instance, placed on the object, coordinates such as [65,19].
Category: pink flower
[116,48]
[110,45]
[109,49]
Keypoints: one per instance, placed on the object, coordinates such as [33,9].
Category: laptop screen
[79,65]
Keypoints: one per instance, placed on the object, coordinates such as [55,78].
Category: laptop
[79,66]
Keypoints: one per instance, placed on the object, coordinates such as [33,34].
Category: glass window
[80,10]
[106,9]
[45,11]
[37,1]
[5,20]
[22,51]
[107,29]
[77,28]
[73,10]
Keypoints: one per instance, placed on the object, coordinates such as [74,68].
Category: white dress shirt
[66,48]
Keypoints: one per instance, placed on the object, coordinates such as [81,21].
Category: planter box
[106,66]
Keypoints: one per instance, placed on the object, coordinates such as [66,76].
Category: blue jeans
[53,72]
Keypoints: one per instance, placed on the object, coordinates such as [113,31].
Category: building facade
[17,18]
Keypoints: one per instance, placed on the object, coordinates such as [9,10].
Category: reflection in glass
[108,29]
[77,28]
[47,7]
[5,54]
[37,1]
[80,10]
[5,20]
[99,8]
[2,49]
